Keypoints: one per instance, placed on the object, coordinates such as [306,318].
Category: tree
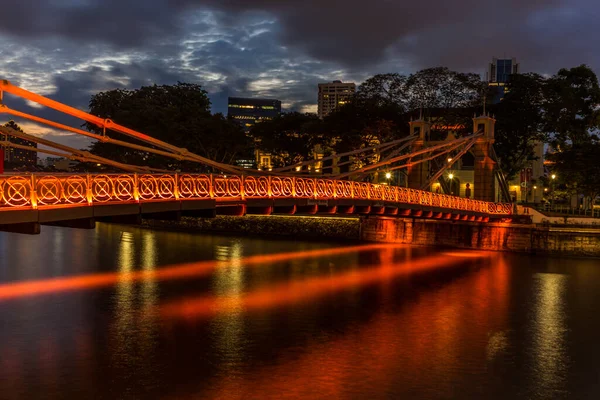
[290,138]
[177,114]
[441,88]
[572,106]
[520,122]
[384,90]
[363,123]
[578,168]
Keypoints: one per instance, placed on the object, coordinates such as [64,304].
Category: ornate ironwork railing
[40,190]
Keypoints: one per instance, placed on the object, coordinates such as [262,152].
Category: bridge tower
[484,182]
[418,174]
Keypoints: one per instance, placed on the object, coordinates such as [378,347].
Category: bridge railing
[43,190]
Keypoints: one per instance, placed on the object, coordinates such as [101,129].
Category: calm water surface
[186,316]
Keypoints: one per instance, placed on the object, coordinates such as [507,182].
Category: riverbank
[517,238]
[296,227]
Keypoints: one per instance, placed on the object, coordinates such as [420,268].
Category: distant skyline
[71,49]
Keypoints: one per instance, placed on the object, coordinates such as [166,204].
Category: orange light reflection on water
[413,341]
[295,291]
[45,286]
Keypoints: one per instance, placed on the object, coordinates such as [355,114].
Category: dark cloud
[355,33]
[71,49]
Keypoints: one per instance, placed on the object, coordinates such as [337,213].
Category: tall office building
[498,75]
[19,157]
[333,95]
[248,112]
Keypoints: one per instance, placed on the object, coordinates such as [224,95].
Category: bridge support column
[417,174]
[484,181]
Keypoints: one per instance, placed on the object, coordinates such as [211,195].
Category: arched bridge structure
[78,200]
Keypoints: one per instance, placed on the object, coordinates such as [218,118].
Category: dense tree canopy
[384,90]
[572,106]
[290,138]
[578,169]
[364,122]
[177,114]
[519,122]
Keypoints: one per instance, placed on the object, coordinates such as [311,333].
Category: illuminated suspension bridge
[28,200]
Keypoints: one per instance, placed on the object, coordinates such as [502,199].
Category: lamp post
[451,176]
[534,190]
[553,176]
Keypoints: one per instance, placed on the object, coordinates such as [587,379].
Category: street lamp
[388,175]
[534,190]
[553,178]
[450,176]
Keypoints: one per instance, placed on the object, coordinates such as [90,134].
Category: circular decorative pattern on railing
[147,187]
[202,185]
[263,186]
[75,189]
[16,191]
[234,186]
[167,187]
[276,186]
[324,188]
[124,187]
[302,189]
[219,186]
[250,186]
[343,189]
[102,189]
[287,190]
[49,190]
[361,190]
[187,186]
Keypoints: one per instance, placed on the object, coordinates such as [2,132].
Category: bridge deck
[45,198]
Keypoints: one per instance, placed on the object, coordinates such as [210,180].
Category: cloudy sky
[71,49]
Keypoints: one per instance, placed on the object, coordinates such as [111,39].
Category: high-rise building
[334,94]
[498,75]
[248,112]
[19,157]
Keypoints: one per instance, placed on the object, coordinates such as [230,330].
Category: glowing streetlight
[450,176]
[388,175]
[449,159]
[553,178]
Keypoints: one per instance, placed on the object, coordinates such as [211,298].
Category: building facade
[498,74]
[332,95]
[19,157]
[248,112]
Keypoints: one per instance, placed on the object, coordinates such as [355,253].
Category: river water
[125,313]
